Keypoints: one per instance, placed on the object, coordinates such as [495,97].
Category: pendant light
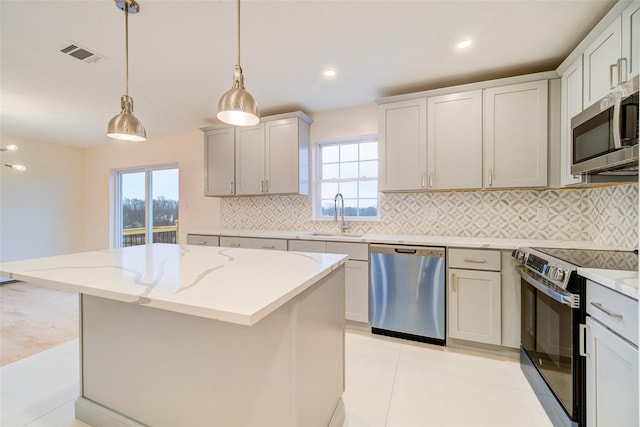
[237,107]
[125,126]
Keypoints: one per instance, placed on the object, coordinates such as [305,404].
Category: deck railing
[161,234]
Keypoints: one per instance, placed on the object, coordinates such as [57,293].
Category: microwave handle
[617,143]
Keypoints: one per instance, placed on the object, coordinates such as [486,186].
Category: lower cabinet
[611,354]
[203,240]
[356,272]
[612,379]
[253,243]
[474,295]
[474,306]
[357,291]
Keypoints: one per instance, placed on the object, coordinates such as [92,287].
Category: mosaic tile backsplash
[607,215]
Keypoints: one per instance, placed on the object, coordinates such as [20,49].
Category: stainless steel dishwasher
[407,292]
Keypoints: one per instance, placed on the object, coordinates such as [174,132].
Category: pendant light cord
[238,33]
[126,48]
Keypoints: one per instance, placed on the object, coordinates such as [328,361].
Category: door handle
[608,312]
[620,69]
[583,339]
[611,67]
[476,260]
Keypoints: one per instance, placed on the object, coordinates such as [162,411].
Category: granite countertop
[234,285]
[452,241]
[625,282]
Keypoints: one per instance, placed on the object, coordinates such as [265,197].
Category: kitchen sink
[313,233]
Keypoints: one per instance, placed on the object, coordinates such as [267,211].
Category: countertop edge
[624,282]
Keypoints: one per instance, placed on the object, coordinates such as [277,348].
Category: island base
[147,366]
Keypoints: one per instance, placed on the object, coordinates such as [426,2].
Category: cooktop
[588,258]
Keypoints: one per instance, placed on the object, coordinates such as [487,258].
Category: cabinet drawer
[202,240]
[308,246]
[616,311]
[235,242]
[356,251]
[474,259]
[273,244]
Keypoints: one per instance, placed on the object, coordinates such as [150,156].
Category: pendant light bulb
[125,126]
[237,107]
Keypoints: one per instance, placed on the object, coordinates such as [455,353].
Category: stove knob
[559,275]
[551,272]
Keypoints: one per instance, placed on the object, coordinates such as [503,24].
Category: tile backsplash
[607,215]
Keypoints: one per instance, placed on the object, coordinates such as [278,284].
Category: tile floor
[389,383]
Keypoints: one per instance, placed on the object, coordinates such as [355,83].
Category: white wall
[41,209]
[344,122]
[196,212]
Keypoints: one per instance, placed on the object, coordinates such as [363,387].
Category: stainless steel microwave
[605,135]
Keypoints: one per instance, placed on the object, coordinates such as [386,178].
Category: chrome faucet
[343,227]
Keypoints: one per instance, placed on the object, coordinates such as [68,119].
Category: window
[349,167]
[138,221]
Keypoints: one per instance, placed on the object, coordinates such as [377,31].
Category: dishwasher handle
[406,250]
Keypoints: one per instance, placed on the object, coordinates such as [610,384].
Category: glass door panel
[133,208]
[164,209]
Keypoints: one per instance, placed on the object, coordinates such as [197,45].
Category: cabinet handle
[268,247]
[611,67]
[266,186]
[231,187]
[476,260]
[453,282]
[262,186]
[621,69]
[200,243]
[583,339]
[430,180]
[490,177]
[234,245]
[424,179]
[609,313]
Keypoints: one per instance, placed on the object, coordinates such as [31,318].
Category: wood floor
[33,319]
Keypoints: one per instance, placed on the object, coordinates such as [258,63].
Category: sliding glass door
[146,205]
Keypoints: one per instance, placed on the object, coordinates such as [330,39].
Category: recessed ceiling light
[329,72]
[464,44]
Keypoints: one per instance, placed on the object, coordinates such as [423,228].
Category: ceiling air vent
[80,53]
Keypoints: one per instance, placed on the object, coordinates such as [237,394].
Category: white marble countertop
[229,284]
[625,282]
[452,241]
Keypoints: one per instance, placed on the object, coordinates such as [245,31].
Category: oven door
[549,336]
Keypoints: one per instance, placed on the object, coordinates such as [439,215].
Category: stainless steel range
[552,311]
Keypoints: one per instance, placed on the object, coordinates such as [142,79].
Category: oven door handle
[572,300]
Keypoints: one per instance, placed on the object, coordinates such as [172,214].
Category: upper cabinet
[570,105]
[219,157]
[516,135]
[631,38]
[600,61]
[438,142]
[613,56]
[454,141]
[402,145]
[269,158]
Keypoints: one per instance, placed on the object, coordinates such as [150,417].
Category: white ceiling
[182,54]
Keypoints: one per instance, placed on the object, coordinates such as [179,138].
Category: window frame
[116,207]
[317,172]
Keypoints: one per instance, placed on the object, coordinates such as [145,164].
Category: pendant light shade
[125,126]
[237,107]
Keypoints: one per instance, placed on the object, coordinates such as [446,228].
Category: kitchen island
[186,335]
